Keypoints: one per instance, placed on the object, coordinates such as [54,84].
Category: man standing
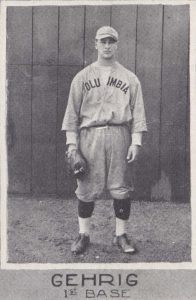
[104,121]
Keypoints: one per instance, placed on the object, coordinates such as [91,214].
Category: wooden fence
[47,46]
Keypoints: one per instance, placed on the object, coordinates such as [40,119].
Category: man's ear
[96,44]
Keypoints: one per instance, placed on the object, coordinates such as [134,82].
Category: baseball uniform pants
[105,149]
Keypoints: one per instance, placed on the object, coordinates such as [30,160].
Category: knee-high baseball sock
[84,225]
[85,210]
[122,212]
[120,226]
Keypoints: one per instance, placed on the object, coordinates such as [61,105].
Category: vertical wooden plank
[44,114]
[19,129]
[65,182]
[188,158]
[19,35]
[96,16]
[148,69]
[123,19]
[71,53]
[71,35]
[45,35]
[174,98]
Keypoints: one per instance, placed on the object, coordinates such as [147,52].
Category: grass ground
[42,230]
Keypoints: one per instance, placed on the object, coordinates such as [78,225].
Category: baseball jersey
[117,100]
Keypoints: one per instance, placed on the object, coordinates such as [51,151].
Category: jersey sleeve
[138,111]
[71,118]
[71,138]
[137,138]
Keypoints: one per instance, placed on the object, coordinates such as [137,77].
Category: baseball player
[104,122]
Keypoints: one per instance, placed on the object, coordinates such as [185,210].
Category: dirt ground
[42,230]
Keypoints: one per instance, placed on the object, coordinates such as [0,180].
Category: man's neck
[105,62]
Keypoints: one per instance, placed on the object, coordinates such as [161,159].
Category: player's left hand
[133,153]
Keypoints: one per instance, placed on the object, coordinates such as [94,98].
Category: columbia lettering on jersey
[91,84]
[95,99]
[96,83]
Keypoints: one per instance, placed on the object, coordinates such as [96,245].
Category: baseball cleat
[80,244]
[124,244]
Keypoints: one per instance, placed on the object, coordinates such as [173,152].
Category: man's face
[106,47]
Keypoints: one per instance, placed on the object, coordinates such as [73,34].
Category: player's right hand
[77,163]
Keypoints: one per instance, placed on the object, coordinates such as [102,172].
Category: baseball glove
[77,163]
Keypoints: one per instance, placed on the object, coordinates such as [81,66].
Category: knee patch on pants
[122,208]
[85,209]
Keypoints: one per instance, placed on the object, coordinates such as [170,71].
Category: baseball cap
[106,31]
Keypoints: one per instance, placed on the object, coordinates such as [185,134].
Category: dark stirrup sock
[85,209]
[122,208]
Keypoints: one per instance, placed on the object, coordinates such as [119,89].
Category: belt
[105,125]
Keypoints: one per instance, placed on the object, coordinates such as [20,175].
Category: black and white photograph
[97,136]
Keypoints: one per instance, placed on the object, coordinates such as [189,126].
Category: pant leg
[92,146]
[119,179]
